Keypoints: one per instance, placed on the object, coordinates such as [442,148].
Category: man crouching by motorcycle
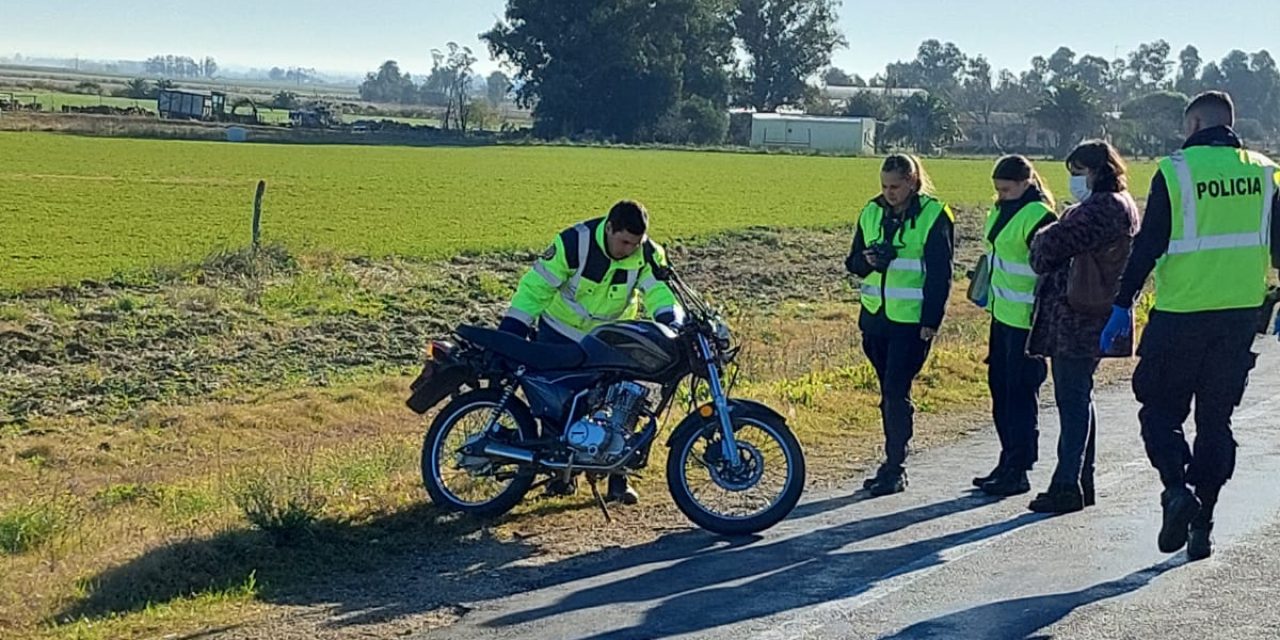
[593,273]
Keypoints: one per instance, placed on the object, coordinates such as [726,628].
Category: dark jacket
[939,248]
[1153,241]
[1058,329]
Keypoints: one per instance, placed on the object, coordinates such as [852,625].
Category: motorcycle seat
[535,356]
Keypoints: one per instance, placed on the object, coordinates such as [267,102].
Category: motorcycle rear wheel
[488,488]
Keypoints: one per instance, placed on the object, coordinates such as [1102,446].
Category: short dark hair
[1215,108]
[1104,161]
[629,216]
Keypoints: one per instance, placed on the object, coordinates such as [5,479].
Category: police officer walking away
[1210,235]
[902,250]
[593,273]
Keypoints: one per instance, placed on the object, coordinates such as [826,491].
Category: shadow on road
[1022,617]
[732,585]
[418,560]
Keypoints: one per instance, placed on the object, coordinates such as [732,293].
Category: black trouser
[1015,379]
[897,360]
[1210,366]
[617,482]
[1077,439]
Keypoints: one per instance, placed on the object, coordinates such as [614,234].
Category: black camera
[884,252]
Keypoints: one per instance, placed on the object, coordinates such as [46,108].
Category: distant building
[816,133]
[842,92]
[1002,132]
[190,104]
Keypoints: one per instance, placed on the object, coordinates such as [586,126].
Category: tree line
[633,70]
[1136,100]
[452,84]
[171,66]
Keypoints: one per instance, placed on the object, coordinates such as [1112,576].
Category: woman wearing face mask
[1080,259]
[902,250]
[1024,207]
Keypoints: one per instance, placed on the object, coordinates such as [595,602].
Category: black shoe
[995,473]
[1012,483]
[560,488]
[889,484]
[1180,506]
[620,492]
[1058,499]
[1200,541]
[881,472]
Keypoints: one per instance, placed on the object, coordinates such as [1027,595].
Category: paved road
[941,562]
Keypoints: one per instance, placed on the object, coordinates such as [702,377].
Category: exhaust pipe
[508,451]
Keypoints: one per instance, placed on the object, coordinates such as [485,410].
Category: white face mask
[1080,188]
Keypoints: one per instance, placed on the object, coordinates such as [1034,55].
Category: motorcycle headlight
[722,332]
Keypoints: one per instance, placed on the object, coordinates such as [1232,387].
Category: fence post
[257,215]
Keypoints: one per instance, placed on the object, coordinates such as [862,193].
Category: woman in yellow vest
[902,250]
[1024,205]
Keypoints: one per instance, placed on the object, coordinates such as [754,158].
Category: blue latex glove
[1117,326]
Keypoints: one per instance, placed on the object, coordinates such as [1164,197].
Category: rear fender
[437,381]
[737,407]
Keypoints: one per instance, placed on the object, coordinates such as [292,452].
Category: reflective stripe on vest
[1015,268]
[1221,209]
[875,291]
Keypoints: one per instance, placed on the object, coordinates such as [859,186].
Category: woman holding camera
[902,250]
[1024,206]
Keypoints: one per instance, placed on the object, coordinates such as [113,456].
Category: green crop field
[76,207]
[55,101]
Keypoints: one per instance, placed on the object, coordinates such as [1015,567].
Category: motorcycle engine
[601,436]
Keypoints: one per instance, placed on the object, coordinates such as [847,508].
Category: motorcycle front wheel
[740,499]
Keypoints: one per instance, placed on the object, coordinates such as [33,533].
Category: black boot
[1058,499]
[893,481]
[1179,506]
[620,492]
[881,472]
[558,487]
[1012,483]
[1200,539]
[995,473]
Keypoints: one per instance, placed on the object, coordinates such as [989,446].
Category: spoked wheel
[471,482]
[737,499]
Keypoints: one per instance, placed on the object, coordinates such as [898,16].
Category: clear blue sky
[356,36]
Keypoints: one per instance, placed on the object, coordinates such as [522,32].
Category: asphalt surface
[940,561]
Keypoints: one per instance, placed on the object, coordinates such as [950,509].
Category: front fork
[728,441]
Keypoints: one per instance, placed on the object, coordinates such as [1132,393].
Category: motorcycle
[592,408]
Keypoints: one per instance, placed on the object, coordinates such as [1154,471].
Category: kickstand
[595,491]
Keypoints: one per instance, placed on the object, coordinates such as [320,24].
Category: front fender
[737,406]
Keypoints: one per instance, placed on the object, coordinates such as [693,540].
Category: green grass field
[77,207]
[55,101]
